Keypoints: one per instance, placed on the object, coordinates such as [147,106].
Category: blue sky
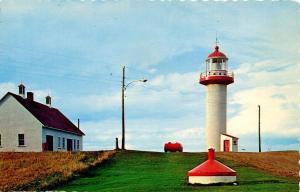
[75,51]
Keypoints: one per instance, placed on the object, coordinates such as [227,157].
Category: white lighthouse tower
[216,78]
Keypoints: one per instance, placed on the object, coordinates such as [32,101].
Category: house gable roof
[48,116]
[229,135]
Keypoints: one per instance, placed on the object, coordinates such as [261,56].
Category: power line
[43,63]
[57,54]
[51,70]
[53,74]
[105,64]
[49,67]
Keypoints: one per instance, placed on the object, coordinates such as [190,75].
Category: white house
[26,125]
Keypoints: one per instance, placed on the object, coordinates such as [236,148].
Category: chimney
[48,101]
[22,90]
[78,123]
[30,96]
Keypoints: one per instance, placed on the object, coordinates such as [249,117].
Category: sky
[75,50]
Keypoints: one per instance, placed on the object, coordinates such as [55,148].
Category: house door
[226,145]
[49,142]
[69,145]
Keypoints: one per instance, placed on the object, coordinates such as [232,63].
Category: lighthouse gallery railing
[216,73]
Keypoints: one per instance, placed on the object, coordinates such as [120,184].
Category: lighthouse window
[218,60]
[215,66]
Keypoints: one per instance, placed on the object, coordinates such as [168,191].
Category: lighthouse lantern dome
[216,61]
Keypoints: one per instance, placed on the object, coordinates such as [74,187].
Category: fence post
[117,144]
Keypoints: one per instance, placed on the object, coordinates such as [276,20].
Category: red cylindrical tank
[173,147]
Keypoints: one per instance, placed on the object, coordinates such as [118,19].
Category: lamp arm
[140,80]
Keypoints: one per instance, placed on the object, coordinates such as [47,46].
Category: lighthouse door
[226,145]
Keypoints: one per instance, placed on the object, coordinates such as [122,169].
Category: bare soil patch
[277,163]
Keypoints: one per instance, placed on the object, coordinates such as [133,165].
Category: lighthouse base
[208,180]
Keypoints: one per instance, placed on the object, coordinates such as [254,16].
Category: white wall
[14,120]
[56,134]
[216,103]
[233,148]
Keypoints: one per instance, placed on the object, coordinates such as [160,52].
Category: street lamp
[124,87]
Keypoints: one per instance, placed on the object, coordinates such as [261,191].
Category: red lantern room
[216,69]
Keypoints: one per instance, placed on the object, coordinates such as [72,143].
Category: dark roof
[50,117]
[229,135]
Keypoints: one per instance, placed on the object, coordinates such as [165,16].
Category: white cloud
[266,72]
[152,133]
[39,94]
[101,134]
[161,92]
[7,87]
[145,134]
[170,93]
[278,114]
[274,90]
[100,102]
[179,82]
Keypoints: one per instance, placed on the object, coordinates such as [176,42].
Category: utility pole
[124,87]
[259,140]
[123,111]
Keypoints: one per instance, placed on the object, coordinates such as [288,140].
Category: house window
[235,142]
[58,142]
[63,143]
[21,139]
[74,144]
[78,144]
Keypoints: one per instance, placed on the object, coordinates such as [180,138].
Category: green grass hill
[154,171]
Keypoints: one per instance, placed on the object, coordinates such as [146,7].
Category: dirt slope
[276,163]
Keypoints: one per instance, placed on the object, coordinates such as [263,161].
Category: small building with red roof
[27,125]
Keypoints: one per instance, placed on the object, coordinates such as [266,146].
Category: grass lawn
[150,171]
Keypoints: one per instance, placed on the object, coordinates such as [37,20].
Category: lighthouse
[216,78]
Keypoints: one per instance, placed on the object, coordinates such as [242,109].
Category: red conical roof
[216,53]
[212,167]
